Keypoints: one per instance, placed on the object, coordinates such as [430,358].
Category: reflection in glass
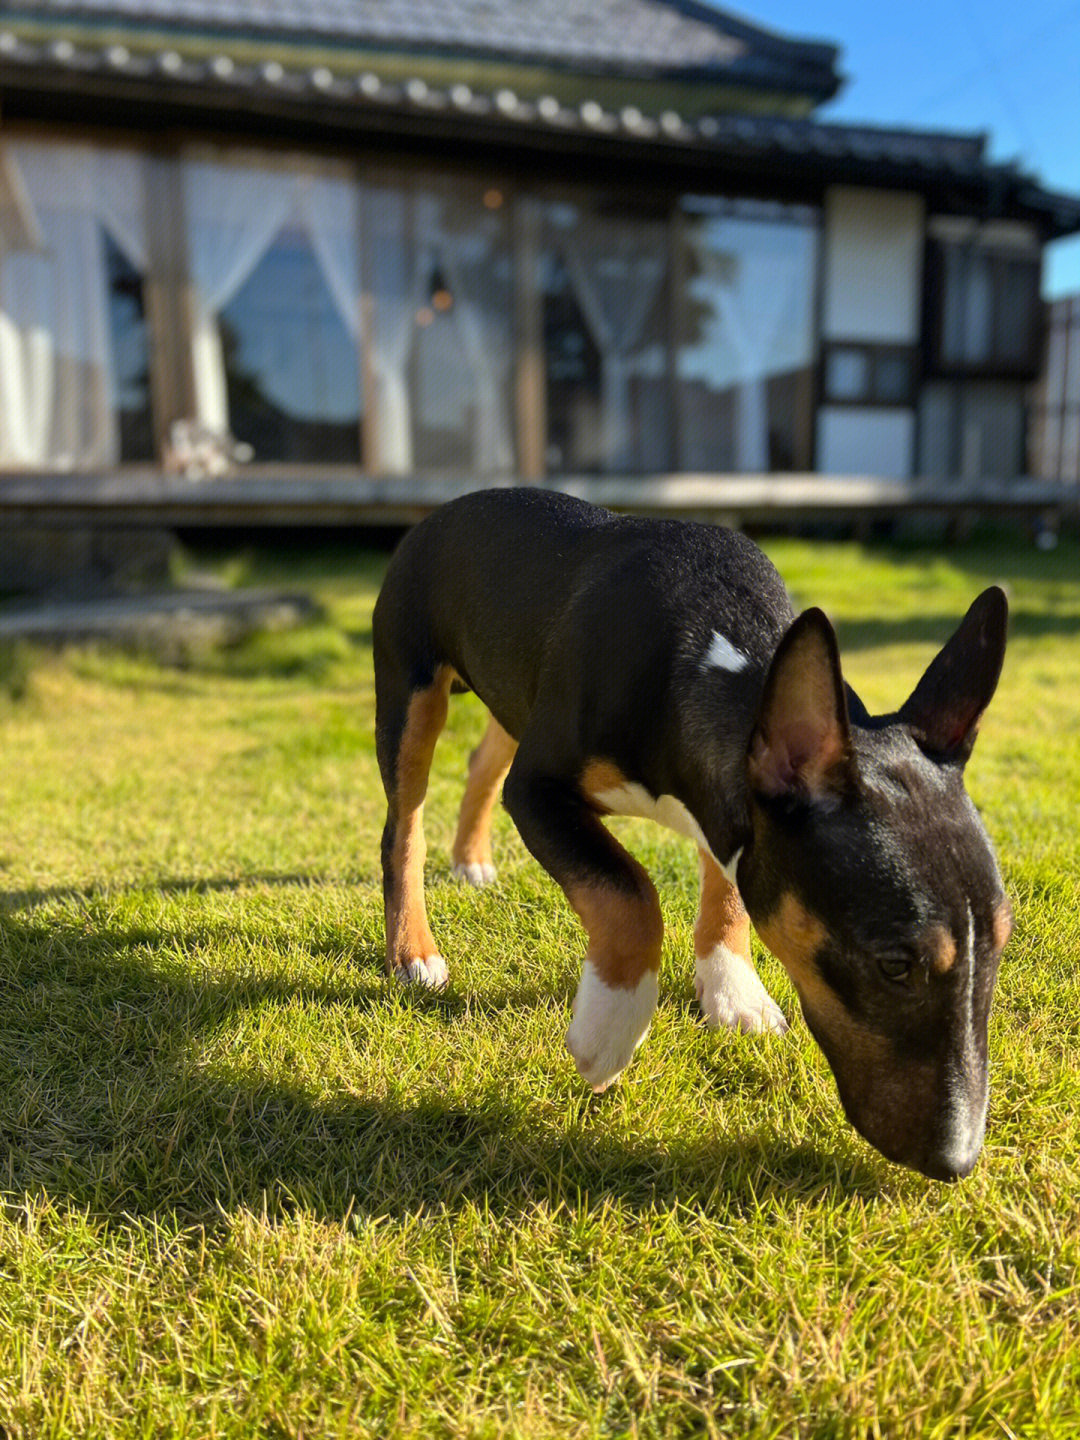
[746,352]
[290,364]
[69,293]
[442,341]
[603,281]
[131,353]
[273,251]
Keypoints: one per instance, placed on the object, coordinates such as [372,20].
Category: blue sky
[1010,70]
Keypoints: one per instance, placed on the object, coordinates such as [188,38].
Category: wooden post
[172,381]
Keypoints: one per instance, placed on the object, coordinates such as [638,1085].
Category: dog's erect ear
[944,709]
[802,742]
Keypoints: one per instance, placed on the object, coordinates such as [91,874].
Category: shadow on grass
[936,629]
[194,885]
[106,1099]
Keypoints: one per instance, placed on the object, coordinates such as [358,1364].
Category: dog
[657,668]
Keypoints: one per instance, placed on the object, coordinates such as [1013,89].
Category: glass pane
[1018,300]
[291,366]
[463,355]
[746,354]
[59,382]
[847,374]
[893,379]
[442,337]
[131,354]
[573,366]
[603,280]
[937,431]
[992,430]
[978,310]
[954,267]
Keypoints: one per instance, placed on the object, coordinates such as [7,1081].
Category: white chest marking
[665,810]
[722,655]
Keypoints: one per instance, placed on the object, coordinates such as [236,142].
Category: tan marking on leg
[728,987]
[722,917]
[488,765]
[625,927]
[598,776]
[408,936]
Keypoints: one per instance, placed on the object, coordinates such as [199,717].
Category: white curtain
[397,284]
[752,285]
[469,260]
[234,213]
[57,381]
[616,269]
[752,331]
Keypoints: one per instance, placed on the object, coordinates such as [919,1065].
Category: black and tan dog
[657,668]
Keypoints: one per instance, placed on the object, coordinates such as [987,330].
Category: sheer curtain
[397,285]
[751,294]
[235,210]
[467,251]
[753,315]
[617,268]
[57,382]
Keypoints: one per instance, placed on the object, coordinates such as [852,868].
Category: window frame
[996,366]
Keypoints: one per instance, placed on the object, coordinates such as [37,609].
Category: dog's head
[872,880]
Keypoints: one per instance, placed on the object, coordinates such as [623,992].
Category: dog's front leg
[728,988]
[618,906]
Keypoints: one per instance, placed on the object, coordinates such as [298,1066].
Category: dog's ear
[945,707]
[801,744]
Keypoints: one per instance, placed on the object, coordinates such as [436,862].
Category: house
[495,240]
[1055,419]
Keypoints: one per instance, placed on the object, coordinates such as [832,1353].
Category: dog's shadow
[107,1098]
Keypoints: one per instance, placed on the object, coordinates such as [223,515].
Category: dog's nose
[950,1162]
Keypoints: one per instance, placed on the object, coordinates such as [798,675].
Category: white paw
[474,873]
[609,1024]
[732,996]
[431,972]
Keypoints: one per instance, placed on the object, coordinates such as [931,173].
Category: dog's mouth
[917,1114]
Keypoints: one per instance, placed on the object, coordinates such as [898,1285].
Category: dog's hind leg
[407,725]
[615,901]
[727,984]
[488,765]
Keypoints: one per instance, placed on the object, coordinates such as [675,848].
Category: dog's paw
[431,972]
[474,873]
[733,998]
[608,1025]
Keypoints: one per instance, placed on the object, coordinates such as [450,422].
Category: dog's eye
[896,968]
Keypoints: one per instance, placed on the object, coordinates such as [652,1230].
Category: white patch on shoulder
[722,655]
[431,972]
[731,994]
[730,868]
[609,1023]
[634,800]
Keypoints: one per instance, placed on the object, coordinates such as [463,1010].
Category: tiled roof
[629,36]
[340,92]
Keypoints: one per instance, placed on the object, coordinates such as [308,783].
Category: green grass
[253,1188]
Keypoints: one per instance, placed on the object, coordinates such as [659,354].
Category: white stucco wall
[873,265]
[872,292]
[866,440]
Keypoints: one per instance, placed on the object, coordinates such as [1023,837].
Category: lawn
[251,1187]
